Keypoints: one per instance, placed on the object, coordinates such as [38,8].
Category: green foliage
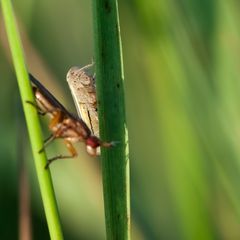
[111,109]
[44,177]
[182,95]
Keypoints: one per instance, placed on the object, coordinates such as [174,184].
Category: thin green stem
[32,120]
[110,94]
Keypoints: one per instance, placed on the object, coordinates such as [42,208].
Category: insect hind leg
[70,148]
[47,141]
[40,111]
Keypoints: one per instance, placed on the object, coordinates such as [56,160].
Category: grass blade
[32,120]
[110,95]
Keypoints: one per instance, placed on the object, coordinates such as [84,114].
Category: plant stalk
[44,177]
[112,121]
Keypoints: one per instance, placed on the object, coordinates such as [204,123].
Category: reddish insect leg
[70,148]
[52,124]
[57,117]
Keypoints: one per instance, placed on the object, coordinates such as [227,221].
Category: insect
[64,124]
[83,89]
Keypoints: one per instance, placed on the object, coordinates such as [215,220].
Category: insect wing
[57,104]
[83,90]
[48,95]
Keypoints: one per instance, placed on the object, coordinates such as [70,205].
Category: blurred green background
[182,64]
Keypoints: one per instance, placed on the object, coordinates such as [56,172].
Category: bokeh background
[182,67]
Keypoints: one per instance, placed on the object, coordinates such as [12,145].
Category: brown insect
[64,124]
[83,89]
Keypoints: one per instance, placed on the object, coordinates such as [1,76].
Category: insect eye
[93,141]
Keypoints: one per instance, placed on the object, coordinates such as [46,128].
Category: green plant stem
[32,120]
[110,94]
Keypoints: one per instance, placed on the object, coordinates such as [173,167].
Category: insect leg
[48,138]
[47,141]
[57,131]
[56,119]
[70,148]
[40,111]
[56,134]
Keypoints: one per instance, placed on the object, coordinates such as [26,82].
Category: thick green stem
[33,125]
[110,94]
